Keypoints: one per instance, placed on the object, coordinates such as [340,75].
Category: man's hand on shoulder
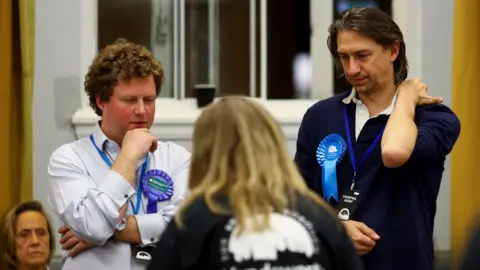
[72,243]
[417,91]
[364,238]
[400,135]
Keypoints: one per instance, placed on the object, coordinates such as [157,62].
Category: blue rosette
[330,153]
[157,186]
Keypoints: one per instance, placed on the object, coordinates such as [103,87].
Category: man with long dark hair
[377,152]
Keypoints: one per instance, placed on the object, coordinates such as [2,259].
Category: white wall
[57,83]
[61,52]
[436,69]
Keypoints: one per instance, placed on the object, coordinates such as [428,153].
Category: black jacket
[307,236]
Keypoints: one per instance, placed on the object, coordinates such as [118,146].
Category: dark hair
[375,24]
[7,233]
[120,61]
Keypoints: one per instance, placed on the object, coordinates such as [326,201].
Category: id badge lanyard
[356,166]
[105,158]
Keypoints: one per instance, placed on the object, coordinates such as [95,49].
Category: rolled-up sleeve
[91,211]
[438,131]
[151,226]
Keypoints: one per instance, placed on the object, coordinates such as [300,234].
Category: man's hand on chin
[71,242]
[364,238]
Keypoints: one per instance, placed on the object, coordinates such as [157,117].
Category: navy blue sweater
[398,204]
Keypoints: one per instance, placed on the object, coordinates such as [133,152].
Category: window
[266,73]
[269,49]
[258,48]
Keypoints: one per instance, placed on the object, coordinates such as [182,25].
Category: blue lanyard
[144,168]
[350,146]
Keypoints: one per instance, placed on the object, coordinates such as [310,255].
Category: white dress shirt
[362,115]
[86,195]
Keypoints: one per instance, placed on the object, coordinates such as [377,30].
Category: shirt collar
[353,97]
[102,141]
[99,137]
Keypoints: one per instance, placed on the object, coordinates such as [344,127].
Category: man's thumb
[368,232]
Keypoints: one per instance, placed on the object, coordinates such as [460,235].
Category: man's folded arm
[91,211]
[146,229]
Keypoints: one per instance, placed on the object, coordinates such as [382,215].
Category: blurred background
[272,50]
[235,45]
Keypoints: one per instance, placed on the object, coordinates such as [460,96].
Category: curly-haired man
[116,190]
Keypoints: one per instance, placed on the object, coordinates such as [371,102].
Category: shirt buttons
[361,112]
[152,239]
[125,196]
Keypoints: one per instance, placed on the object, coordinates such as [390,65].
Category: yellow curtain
[17,35]
[27,48]
[465,180]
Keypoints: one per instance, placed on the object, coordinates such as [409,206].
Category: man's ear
[394,51]
[100,103]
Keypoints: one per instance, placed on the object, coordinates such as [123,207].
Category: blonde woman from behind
[249,207]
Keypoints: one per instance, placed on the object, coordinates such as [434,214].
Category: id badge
[142,253]
[347,204]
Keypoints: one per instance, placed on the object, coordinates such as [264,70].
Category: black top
[398,204]
[307,237]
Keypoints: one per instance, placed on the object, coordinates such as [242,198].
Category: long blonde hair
[240,151]
[7,233]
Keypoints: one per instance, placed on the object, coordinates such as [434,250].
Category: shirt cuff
[150,227]
[117,188]
[121,226]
